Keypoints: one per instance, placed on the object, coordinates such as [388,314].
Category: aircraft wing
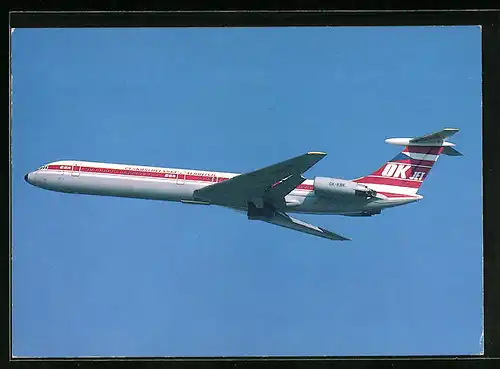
[273,182]
[276,194]
[284,220]
[440,135]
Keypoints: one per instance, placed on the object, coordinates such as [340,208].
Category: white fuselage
[170,184]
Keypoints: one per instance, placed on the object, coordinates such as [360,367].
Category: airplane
[266,194]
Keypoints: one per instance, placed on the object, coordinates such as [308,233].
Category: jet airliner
[266,194]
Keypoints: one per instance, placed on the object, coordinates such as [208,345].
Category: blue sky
[98,276]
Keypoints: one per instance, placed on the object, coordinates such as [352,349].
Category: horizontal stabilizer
[436,136]
[436,139]
[448,150]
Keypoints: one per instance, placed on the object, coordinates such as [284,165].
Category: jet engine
[340,187]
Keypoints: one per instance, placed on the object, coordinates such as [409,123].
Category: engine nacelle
[340,187]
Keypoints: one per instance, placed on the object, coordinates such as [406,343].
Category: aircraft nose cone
[29,178]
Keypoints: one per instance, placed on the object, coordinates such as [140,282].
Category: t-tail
[404,174]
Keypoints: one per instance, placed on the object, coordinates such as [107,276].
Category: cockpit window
[43,167]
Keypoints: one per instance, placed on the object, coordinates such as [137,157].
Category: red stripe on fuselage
[152,173]
[305,187]
[169,175]
[393,195]
[400,182]
[149,172]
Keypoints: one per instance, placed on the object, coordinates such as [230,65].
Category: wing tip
[342,238]
[334,236]
[316,153]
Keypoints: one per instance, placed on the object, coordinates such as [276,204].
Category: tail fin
[404,174]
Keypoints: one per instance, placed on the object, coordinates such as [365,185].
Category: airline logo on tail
[395,170]
[418,176]
[401,171]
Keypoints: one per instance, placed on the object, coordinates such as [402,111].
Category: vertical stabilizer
[403,175]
